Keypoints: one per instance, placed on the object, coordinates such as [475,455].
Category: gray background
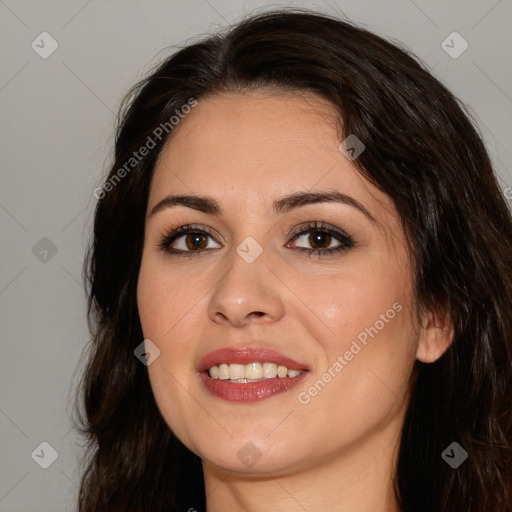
[57,119]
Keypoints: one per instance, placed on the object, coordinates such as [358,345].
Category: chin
[247,454]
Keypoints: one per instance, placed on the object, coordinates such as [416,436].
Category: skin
[338,451]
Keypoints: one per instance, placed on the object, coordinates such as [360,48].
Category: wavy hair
[424,152]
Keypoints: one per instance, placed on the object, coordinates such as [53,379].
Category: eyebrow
[283,205]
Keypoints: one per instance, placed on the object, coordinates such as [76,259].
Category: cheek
[362,385]
[165,304]
[167,316]
[368,354]
[343,304]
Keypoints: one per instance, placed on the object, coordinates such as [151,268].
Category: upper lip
[247,355]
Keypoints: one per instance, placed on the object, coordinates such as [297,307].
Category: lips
[245,392]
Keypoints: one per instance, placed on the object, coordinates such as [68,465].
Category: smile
[250,374]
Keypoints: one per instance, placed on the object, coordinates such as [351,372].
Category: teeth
[236,371]
[251,372]
[269,370]
[282,371]
[224,372]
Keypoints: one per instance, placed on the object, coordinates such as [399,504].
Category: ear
[436,336]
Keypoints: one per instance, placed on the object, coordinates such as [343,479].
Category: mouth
[250,374]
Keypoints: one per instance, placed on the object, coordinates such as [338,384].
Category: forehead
[251,148]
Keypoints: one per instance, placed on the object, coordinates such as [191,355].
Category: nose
[247,293]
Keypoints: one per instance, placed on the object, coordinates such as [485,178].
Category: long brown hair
[423,150]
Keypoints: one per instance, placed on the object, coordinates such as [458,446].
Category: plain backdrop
[57,129]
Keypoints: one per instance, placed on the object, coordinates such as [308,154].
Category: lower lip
[249,391]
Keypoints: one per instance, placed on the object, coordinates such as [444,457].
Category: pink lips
[250,391]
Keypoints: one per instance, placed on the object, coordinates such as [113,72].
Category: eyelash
[347,242]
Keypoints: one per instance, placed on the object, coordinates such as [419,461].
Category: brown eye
[193,241]
[186,240]
[320,239]
[196,241]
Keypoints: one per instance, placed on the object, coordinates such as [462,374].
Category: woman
[338,336]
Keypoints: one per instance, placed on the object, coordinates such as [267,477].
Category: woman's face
[242,278]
